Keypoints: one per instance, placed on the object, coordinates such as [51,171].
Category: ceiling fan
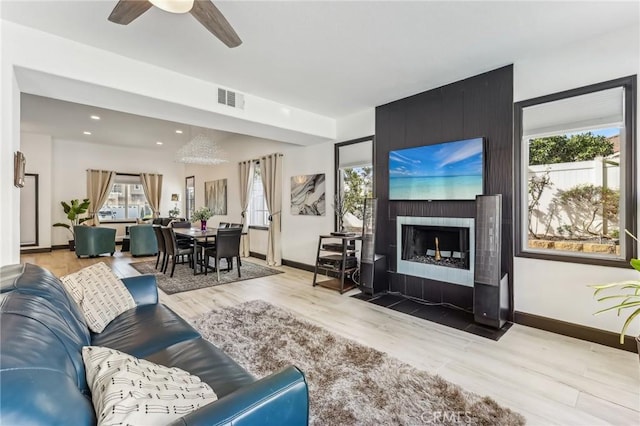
[203,10]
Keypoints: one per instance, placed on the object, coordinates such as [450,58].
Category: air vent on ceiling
[230,98]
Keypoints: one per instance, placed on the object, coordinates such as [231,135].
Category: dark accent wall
[480,106]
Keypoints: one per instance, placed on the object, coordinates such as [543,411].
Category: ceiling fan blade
[214,21]
[128,10]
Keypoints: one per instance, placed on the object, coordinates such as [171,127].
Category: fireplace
[438,248]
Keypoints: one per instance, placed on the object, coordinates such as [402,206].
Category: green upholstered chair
[143,240]
[94,240]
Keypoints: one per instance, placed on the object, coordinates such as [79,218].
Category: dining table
[197,236]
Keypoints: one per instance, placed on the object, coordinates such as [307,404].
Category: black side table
[126,243]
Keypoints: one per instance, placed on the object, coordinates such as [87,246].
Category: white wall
[38,151]
[355,126]
[9,143]
[558,289]
[300,233]
[71,159]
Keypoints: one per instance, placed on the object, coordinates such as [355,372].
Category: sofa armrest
[279,399]
[143,288]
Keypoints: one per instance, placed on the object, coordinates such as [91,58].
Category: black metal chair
[227,247]
[173,250]
[161,246]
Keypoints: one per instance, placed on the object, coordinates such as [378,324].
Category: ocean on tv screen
[445,171]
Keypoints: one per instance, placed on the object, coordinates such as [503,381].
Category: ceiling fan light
[173,6]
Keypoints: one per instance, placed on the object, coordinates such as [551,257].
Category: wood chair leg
[218,268]
[238,267]
[173,267]
[157,260]
[166,264]
[206,263]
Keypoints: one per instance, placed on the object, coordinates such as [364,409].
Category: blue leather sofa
[42,376]
[93,240]
[143,240]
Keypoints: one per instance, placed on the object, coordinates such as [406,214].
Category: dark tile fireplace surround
[479,106]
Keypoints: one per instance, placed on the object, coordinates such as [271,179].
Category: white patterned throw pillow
[129,391]
[99,293]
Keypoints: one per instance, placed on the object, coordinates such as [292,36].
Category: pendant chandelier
[201,150]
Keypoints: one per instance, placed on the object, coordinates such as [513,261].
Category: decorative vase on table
[203,225]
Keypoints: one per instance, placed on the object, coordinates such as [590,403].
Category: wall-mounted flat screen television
[443,171]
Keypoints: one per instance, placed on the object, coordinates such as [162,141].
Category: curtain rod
[257,160]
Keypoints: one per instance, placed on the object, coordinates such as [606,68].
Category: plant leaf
[626,324]
[619,306]
[63,225]
[636,264]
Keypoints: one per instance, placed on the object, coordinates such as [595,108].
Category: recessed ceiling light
[158,143]
[95,117]
[86,133]
[179,132]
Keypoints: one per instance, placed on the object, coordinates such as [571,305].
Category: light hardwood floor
[550,379]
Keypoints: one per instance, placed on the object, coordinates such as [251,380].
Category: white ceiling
[334,58]
[68,120]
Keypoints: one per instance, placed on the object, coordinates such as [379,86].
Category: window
[190,196]
[354,185]
[258,211]
[576,183]
[354,182]
[126,201]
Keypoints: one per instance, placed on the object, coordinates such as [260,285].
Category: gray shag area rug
[184,280]
[349,383]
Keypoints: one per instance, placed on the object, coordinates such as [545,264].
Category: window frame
[189,196]
[251,206]
[628,164]
[127,193]
[337,169]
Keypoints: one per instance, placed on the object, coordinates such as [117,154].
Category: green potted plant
[627,296]
[202,214]
[74,211]
[174,212]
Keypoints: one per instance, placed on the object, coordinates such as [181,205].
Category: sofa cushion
[127,390]
[35,280]
[203,359]
[42,328]
[145,330]
[42,397]
[99,293]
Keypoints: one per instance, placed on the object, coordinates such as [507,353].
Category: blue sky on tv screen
[461,158]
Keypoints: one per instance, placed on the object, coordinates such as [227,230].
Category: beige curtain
[152,185]
[271,171]
[246,182]
[99,183]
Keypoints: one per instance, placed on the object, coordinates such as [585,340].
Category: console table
[343,262]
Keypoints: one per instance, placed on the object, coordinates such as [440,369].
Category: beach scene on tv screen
[445,171]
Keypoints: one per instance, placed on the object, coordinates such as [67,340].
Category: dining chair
[241,226]
[183,240]
[173,250]
[157,230]
[227,247]
[223,225]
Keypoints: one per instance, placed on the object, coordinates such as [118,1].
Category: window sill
[260,228]
[106,222]
[567,258]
